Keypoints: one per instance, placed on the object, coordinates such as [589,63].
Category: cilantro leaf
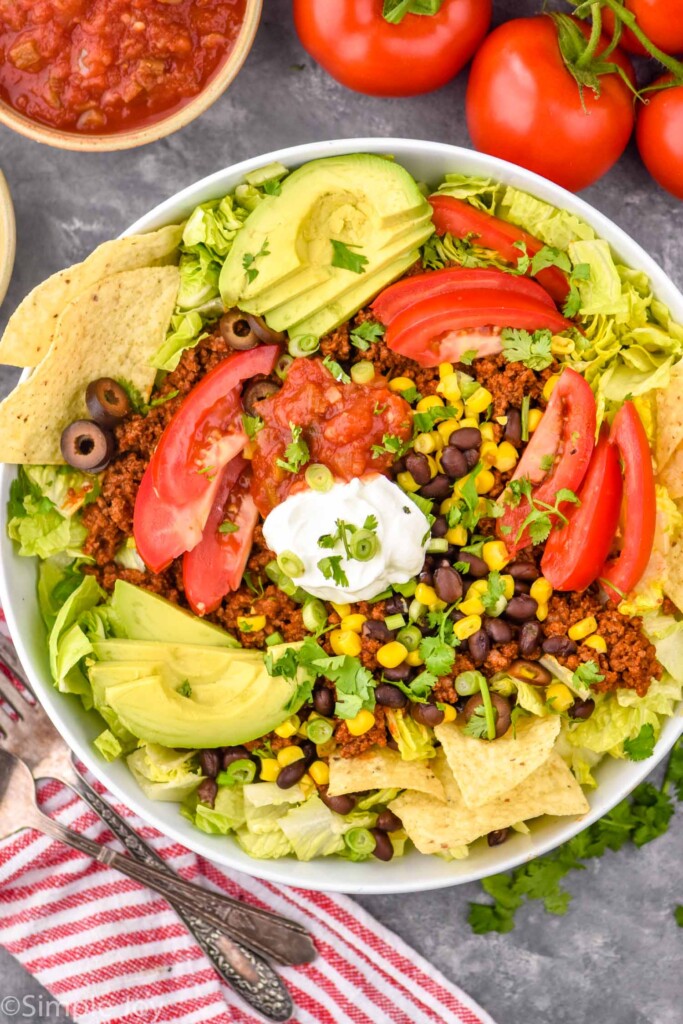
[531,349]
[572,306]
[252,425]
[587,674]
[354,684]
[297,453]
[336,370]
[477,725]
[250,258]
[228,527]
[642,746]
[370,523]
[185,690]
[438,656]
[344,258]
[468,357]
[365,334]
[425,421]
[331,569]
[391,445]
[496,589]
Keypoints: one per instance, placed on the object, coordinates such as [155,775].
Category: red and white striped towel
[111,951]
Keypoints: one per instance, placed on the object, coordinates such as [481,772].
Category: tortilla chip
[382,769]
[32,326]
[483,770]
[672,474]
[112,330]
[438,828]
[669,418]
[673,587]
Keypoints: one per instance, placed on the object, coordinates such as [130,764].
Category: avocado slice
[138,615]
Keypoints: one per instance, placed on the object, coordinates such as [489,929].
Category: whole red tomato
[525,106]
[659,134]
[660,20]
[362,50]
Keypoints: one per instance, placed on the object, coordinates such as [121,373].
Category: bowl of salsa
[96,75]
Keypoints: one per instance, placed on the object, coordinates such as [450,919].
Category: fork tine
[11,697]
[8,658]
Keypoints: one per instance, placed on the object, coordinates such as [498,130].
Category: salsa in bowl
[349,531]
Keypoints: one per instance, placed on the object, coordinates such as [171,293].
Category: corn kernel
[457,535]
[414,658]
[484,481]
[406,481]
[288,728]
[583,628]
[449,387]
[425,445]
[353,622]
[434,463]
[541,590]
[479,401]
[445,370]
[430,402]
[327,748]
[401,384]
[495,554]
[251,623]
[303,731]
[559,696]
[446,428]
[341,609]
[470,421]
[288,755]
[478,588]
[361,723]
[270,769]
[449,713]
[446,505]
[509,584]
[472,606]
[501,420]
[488,453]
[597,642]
[320,773]
[467,626]
[306,784]
[549,386]
[535,417]
[506,457]
[392,654]
[437,439]
[425,594]
[487,431]
[542,612]
[345,641]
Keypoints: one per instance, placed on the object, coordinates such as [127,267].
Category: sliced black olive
[107,401]
[256,392]
[85,445]
[263,331]
[236,330]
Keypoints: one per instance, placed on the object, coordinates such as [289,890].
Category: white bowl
[428,162]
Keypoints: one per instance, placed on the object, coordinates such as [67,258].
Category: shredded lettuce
[226,815]
[311,829]
[109,746]
[164,774]
[269,846]
[479,192]
[67,642]
[415,741]
[553,226]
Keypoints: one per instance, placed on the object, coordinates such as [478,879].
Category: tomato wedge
[460,219]
[418,331]
[574,553]
[216,565]
[621,574]
[566,432]
[206,432]
[164,530]
[397,297]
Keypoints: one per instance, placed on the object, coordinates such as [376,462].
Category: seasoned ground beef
[510,382]
[350,746]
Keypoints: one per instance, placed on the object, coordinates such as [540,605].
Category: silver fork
[32,735]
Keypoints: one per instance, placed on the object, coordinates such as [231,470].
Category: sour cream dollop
[402,532]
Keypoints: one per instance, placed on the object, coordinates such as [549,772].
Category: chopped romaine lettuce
[128,556]
[479,192]
[67,645]
[415,741]
[268,846]
[163,774]
[310,828]
[185,332]
[226,815]
[109,746]
[551,225]
[601,290]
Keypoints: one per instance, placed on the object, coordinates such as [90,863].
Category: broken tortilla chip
[673,587]
[439,828]
[382,769]
[669,437]
[31,328]
[672,474]
[485,771]
[111,330]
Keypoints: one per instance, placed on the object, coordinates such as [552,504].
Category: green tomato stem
[594,40]
[629,19]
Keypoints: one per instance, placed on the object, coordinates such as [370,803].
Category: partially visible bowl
[159,129]
[428,162]
[7,237]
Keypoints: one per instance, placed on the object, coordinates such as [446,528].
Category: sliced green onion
[273,639]
[364,545]
[416,610]
[319,477]
[384,596]
[304,345]
[238,773]
[437,545]
[488,708]
[319,730]
[360,840]
[424,504]
[467,683]
[405,589]
[290,564]
[314,615]
[526,401]
[284,582]
[283,364]
[394,621]
[410,637]
[362,372]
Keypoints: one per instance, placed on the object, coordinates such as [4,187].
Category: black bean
[477,566]
[391,743]
[292,773]
[471,457]
[513,427]
[530,636]
[396,605]
[398,467]
[418,466]
[309,751]
[425,577]
[383,847]
[499,630]
[582,709]
[501,707]
[465,437]
[341,804]
[560,646]
[210,763]
[479,646]
[377,629]
[231,754]
[389,822]
[400,674]
[437,489]
[498,837]
[390,696]
[522,587]
[530,672]
[448,584]
[521,608]
[206,791]
[427,714]
[454,463]
[522,571]
[323,700]
[440,527]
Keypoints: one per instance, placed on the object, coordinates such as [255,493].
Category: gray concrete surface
[615,958]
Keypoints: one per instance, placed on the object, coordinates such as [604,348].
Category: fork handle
[270,936]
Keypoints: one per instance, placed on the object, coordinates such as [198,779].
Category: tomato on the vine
[660,20]
[659,134]
[357,45]
[526,106]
